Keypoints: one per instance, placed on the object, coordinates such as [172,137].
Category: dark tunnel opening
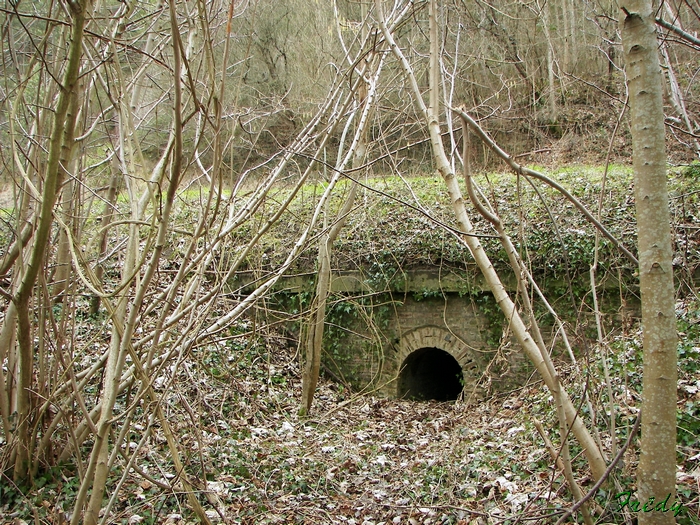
[430,373]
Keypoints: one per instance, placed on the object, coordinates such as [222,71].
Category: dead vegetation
[359,459]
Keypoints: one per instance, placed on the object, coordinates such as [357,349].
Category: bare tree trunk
[520,271]
[431,115]
[545,11]
[61,140]
[677,99]
[314,333]
[365,94]
[656,473]
[121,337]
[107,217]
[62,272]
[314,336]
[7,343]
[568,26]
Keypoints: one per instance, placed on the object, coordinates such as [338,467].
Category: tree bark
[656,474]
[60,145]
[545,12]
[431,116]
[364,95]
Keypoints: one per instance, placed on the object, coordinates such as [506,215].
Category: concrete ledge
[414,281]
[432,281]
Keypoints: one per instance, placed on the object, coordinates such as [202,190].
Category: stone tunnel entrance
[430,374]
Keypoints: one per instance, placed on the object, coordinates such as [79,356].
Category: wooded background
[143,144]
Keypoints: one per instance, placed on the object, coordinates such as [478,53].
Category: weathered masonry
[429,336]
[409,314]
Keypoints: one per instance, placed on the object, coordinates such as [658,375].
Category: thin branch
[611,467]
[527,172]
[680,32]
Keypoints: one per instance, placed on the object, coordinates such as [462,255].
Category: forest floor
[364,460]
[356,459]
[359,459]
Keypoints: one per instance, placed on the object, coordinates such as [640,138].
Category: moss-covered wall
[368,333]
[398,269]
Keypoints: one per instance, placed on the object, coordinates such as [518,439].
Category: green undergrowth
[233,407]
[624,358]
[359,459]
[399,224]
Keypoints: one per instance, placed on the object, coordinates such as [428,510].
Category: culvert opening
[430,373]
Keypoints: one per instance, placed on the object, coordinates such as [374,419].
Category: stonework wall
[369,335]
[451,323]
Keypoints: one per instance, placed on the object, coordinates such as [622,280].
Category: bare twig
[532,173]
[605,475]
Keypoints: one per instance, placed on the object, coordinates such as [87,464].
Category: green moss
[397,228]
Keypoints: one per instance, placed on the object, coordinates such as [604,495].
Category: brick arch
[436,337]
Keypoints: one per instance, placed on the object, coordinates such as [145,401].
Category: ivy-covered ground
[363,460]
[396,223]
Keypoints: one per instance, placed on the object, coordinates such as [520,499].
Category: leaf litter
[356,460]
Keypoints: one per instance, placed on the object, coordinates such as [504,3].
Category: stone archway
[434,364]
